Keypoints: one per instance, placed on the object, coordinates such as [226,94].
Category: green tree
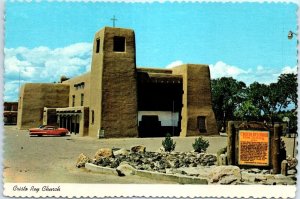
[272,99]
[227,94]
[265,98]
[287,84]
[247,111]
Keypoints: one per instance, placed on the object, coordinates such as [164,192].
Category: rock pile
[263,176]
[154,161]
[193,164]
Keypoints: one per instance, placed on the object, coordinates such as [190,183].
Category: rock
[161,149]
[200,155]
[125,169]
[259,178]
[138,149]
[152,165]
[254,170]
[82,159]
[104,161]
[115,163]
[122,152]
[176,164]
[228,179]
[219,172]
[292,162]
[292,172]
[248,177]
[170,171]
[265,171]
[104,153]
[193,164]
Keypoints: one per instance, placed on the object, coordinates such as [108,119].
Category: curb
[150,174]
[98,169]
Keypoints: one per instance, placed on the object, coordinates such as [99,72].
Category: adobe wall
[34,97]
[77,90]
[96,86]
[196,99]
[113,80]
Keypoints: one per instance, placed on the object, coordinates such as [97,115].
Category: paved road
[52,159]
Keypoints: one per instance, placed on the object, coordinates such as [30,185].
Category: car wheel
[40,135]
[63,134]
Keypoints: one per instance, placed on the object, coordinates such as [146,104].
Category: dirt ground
[53,159]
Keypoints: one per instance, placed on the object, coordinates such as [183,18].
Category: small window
[73,100]
[82,99]
[119,44]
[201,123]
[93,116]
[97,45]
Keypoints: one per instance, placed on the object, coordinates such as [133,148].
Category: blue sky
[247,41]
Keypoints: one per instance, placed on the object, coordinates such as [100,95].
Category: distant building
[117,99]
[10,113]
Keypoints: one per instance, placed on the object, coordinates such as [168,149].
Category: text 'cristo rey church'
[117,99]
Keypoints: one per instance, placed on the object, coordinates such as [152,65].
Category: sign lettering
[254,148]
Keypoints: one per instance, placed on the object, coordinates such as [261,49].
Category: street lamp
[291,34]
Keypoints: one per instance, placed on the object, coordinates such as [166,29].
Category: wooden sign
[254,147]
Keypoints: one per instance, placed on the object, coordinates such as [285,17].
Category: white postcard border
[140,190]
[146,190]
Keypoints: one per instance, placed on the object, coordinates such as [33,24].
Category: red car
[48,130]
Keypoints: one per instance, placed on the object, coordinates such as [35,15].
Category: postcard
[150,99]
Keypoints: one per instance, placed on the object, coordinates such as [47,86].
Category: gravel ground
[53,159]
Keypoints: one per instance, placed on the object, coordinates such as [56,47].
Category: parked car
[48,130]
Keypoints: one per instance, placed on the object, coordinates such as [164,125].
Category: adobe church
[117,99]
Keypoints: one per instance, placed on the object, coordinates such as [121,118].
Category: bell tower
[113,91]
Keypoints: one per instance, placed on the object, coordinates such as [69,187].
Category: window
[201,123]
[6,107]
[119,44]
[81,99]
[97,45]
[79,85]
[73,100]
[93,116]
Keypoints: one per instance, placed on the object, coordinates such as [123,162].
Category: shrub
[168,143]
[200,145]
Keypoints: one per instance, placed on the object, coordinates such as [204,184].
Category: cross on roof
[114,19]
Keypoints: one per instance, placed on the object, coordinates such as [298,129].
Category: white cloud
[42,64]
[289,69]
[221,69]
[11,90]
[261,74]
[174,64]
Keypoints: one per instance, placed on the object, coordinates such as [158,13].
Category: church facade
[118,99]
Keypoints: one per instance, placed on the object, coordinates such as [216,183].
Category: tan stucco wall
[34,97]
[196,99]
[77,92]
[96,86]
[114,99]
